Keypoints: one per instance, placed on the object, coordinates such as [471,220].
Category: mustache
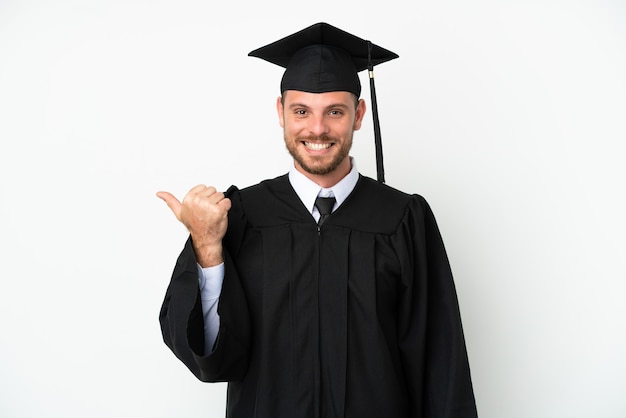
[317,138]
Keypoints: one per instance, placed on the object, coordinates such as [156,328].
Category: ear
[280,109]
[360,113]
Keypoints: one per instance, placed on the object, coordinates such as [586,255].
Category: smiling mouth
[317,146]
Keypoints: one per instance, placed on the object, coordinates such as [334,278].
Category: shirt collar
[307,190]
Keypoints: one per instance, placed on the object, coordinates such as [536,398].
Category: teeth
[316,146]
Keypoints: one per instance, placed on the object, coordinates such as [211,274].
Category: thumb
[171,201]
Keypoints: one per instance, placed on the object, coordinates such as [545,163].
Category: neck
[330,179]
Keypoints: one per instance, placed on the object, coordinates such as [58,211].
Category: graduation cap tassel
[380,171]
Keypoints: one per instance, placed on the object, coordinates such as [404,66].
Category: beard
[318,164]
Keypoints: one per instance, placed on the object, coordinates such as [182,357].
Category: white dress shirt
[211,278]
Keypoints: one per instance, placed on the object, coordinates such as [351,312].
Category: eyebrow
[331,106]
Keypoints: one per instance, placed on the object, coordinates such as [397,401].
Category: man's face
[318,129]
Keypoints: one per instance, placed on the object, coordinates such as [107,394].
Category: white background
[508,116]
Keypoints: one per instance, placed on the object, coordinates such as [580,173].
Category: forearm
[210,281]
[209,253]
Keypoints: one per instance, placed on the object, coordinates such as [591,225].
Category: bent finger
[215,197]
[225,204]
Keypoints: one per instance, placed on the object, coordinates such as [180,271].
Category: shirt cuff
[210,281]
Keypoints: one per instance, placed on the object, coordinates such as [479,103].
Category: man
[309,314]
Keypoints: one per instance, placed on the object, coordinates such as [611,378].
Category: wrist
[208,255]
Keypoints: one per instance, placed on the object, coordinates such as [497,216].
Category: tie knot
[324,205]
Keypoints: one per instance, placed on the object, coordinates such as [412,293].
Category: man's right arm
[219,350]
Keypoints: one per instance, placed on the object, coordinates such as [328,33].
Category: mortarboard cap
[323,58]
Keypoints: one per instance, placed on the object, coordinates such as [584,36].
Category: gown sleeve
[430,333]
[182,323]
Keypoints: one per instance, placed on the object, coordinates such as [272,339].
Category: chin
[321,169]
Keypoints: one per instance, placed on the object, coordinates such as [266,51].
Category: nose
[318,125]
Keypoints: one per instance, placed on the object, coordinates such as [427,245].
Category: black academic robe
[357,318]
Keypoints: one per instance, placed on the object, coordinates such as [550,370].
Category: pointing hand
[204,212]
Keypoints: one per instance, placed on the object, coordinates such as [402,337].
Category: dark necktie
[324,205]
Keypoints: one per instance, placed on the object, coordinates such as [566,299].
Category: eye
[335,113]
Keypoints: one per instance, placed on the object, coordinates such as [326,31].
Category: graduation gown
[357,318]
